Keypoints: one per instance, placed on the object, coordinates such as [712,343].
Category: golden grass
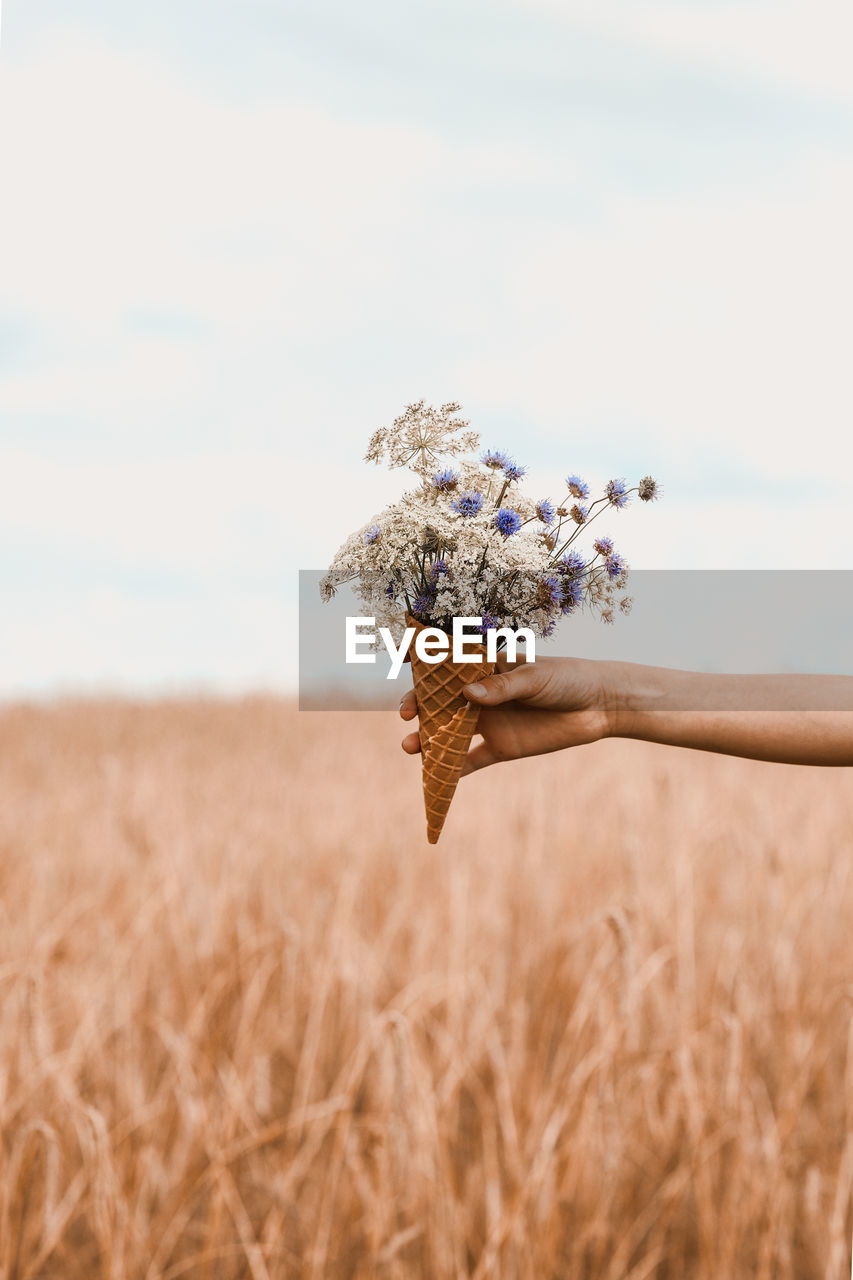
[251,1024]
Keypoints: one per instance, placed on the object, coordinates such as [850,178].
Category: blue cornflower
[513,471]
[445,481]
[549,630]
[572,565]
[372,534]
[497,459]
[391,590]
[546,511]
[488,621]
[579,513]
[468,504]
[572,595]
[603,545]
[507,521]
[437,568]
[616,492]
[614,565]
[577,488]
[549,593]
[422,604]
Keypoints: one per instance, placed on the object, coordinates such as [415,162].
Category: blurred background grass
[252,1024]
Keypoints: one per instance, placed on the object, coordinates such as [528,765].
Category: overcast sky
[235,238]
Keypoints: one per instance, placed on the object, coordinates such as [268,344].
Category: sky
[234,239]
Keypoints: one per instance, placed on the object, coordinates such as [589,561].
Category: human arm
[532,708]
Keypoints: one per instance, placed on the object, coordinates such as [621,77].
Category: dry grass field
[251,1024]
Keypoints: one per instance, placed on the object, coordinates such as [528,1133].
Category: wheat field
[253,1025]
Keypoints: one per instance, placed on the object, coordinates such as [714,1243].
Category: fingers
[521,681]
[478,757]
[408,706]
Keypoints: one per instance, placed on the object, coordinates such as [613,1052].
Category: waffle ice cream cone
[447,722]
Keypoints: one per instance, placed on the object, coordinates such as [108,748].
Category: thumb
[504,686]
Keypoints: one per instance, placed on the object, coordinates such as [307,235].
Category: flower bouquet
[466,542]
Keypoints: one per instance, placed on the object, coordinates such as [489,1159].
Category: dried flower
[468,504]
[420,436]
[572,565]
[616,492]
[507,521]
[572,594]
[445,481]
[450,548]
[488,620]
[549,593]
[614,564]
[422,604]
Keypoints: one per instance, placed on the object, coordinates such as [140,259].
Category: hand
[529,709]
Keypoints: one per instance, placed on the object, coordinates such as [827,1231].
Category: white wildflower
[468,542]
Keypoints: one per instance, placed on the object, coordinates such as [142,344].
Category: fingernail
[475,690]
